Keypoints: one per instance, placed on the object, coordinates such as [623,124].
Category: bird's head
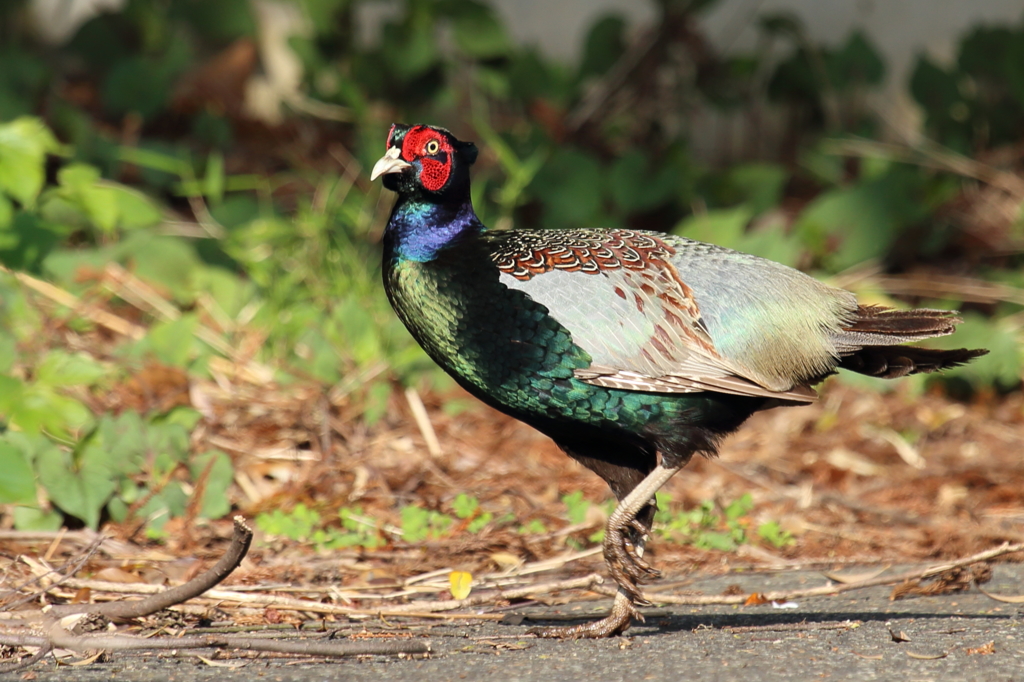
[426,161]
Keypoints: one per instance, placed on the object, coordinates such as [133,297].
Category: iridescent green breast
[508,350]
[495,339]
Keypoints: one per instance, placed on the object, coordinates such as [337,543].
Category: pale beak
[389,163]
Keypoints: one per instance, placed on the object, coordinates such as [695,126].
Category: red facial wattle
[434,172]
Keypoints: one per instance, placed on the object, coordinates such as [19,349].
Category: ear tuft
[468,151]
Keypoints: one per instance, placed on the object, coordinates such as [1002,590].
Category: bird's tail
[871,343]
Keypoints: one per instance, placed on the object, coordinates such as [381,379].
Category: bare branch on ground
[124,610]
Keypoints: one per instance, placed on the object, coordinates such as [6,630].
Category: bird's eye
[432,147]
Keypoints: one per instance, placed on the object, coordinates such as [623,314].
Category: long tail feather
[892,362]
[872,343]
[880,326]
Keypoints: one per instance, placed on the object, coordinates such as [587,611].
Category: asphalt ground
[846,637]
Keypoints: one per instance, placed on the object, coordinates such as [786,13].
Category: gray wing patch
[635,339]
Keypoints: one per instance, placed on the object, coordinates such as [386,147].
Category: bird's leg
[615,623]
[623,553]
[625,562]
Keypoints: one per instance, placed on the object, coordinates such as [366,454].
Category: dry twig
[65,574]
[782,595]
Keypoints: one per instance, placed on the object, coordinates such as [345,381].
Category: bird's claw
[626,566]
[617,622]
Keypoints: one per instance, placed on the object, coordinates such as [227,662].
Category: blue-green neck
[418,229]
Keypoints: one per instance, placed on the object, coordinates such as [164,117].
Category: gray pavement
[844,637]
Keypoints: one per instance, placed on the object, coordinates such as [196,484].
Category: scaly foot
[622,555]
[617,622]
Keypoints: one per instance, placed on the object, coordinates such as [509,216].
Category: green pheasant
[631,350]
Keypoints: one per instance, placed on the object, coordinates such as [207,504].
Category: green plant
[419,524]
[306,525]
[708,527]
[774,535]
[978,101]
[93,467]
[533,527]
[575,507]
[467,507]
[298,524]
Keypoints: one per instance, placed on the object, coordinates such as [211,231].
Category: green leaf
[479,523]
[796,80]
[27,240]
[409,49]
[34,518]
[221,22]
[134,209]
[724,227]
[138,84]
[534,527]
[1013,66]
[24,77]
[8,351]
[298,524]
[173,342]
[216,503]
[478,32]
[723,542]
[984,51]
[772,533]
[79,485]
[24,144]
[230,292]
[758,185]
[376,397]
[323,14]
[18,483]
[59,368]
[213,183]
[167,504]
[35,408]
[856,63]
[933,87]
[99,203]
[6,217]
[570,186]
[848,226]
[128,441]
[576,507]
[420,524]
[181,416]
[106,205]
[1004,364]
[636,186]
[465,505]
[604,45]
[167,261]
[740,507]
[948,112]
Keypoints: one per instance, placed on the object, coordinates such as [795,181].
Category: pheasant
[632,350]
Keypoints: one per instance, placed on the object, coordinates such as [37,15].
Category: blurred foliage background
[184,198]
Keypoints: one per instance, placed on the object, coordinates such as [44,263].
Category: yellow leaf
[461,583]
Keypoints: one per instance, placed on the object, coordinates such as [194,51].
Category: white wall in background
[899,29]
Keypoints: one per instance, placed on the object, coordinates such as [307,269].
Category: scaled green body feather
[509,351]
